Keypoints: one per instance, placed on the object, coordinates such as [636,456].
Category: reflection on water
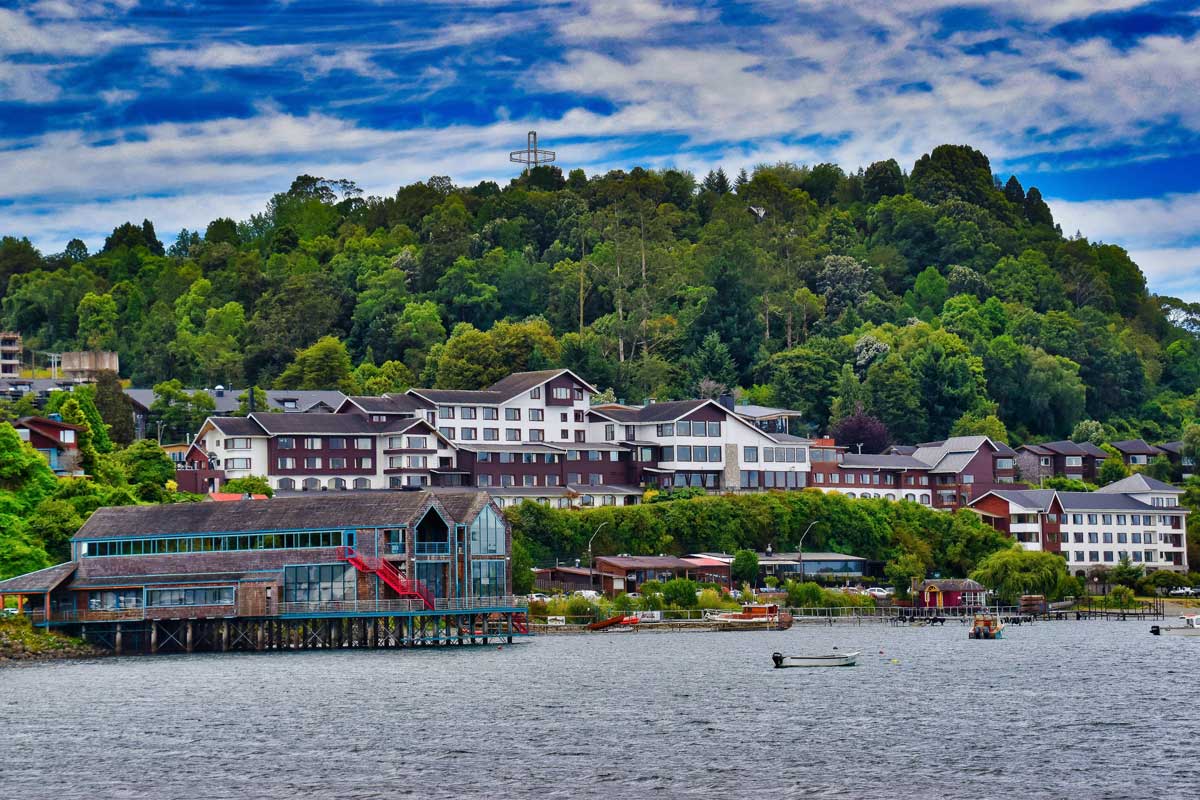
[1092,710]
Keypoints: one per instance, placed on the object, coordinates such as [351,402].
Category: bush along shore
[20,641]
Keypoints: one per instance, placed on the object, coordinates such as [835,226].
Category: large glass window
[215,543]
[200,596]
[114,600]
[488,533]
[322,583]
[487,578]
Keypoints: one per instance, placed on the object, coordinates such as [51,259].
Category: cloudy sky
[177,111]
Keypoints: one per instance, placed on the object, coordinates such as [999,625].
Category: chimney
[220,390]
[726,400]
[250,400]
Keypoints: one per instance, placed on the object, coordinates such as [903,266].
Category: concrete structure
[88,364]
[1137,518]
[10,355]
[254,565]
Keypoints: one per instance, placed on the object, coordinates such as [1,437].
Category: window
[512,414]
[326,583]
[1107,519]
[1122,537]
[561,393]
[714,455]
[552,480]
[528,458]
[714,429]
[1074,461]
[1092,519]
[667,429]
[1093,538]
[210,543]
[699,454]
[365,463]
[508,458]
[483,458]
[468,412]
[1108,537]
[239,443]
[512,434]
[595,479]
[529,480]
[337,443]
[1148,537]
[237,463]
[67,437]
[285,463]
[285,443]
[535,393]
[362,444]
[1093,555]
[488,578]
[537,435]
[537,415]
[1136,519]
[446,412]
[312,443]
[506,481]
[1120,519]
[833,477]
[968,479]
[1077,519]
[483,480]
[416,462]
[750,454]
[1108,555]
[312,462]
[447,432]
[574,477]
[490,413]
[1137,538]
[684,452]
[610,432]
[207,596]
[114,600]
[683,428]
[1079,537]
[337,463]
[564,434]
[491,434]
[467,434]
[1004,463]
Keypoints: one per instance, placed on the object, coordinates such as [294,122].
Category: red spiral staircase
[387,572]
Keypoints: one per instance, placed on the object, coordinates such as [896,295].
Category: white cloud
[622,19]
[1173,271]
[21,35]
[1144,222]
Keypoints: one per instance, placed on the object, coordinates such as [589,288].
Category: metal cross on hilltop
[531,156]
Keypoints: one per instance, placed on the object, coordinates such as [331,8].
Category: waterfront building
[1138,519]
[1076,460]
[627,573]
[949,593]
[794,566]
[395,555]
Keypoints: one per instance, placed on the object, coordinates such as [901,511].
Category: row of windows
[1108,519]
[1137,556]
[214,544]
[753,479]
[206,596]
[411,442]
[688,428]
[319,584]
[514,458]
[320,443]
[311,484]
[316,462]
[685,452]
[510,434]
[1136,537]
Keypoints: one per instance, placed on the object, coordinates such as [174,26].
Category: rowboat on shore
[825,660]
[752,617]
[1190,627]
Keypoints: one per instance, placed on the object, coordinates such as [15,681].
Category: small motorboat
[753,616]
[985,626]
[1190,627]
[826,660]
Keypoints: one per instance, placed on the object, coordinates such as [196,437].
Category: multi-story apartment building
[1137,519]
[1077,460]
[10,355]
[945,474]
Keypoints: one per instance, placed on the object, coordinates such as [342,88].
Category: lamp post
[591,568]
[801,548]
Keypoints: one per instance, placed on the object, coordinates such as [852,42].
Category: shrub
[581,607]
[680,593]
[1120,597]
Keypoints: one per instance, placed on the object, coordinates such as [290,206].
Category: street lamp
[591,567]
[801,548]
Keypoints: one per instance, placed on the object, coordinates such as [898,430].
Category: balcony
[435,548]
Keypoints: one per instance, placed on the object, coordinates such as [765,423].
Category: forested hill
[937,300]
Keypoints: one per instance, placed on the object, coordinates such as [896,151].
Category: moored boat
[824,660]
[753,616]
[1190,627]
[986,626]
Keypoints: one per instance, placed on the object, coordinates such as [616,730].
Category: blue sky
[181,112]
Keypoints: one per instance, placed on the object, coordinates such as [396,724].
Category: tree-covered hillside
[942,299]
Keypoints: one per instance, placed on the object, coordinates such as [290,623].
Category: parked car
[538,597]
[586,594]
[736,594]
[1182,591]
[633,595]
[879,593]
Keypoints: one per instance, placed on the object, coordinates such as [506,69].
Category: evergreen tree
[72,414]
[712,361]
[1013,192]
[114,408]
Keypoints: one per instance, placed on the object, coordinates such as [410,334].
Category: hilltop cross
[531,156]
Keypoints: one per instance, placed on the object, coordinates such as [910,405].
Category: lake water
[1063,710]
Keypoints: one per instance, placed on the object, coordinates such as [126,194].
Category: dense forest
[942,299]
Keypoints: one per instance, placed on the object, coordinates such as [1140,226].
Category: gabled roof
[881,461]
[44,580]
[387,404]
[1104,501]
[952,585]
[645,562]
[42,423]
[499,392]
[1024,498]
[1135,447]
[235,426]
[1174,448]
[953,454]
[325,511]
[752,411]
[1138,483]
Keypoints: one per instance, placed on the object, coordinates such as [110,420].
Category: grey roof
[953,454]
[459,396]
[882,461]
[1135,447]
[1004,450]
[97,581]
[1025,498]
[950,463]
[787,438]
[1102,501]
[604,488]
[1069,448]
[387,404]
[331,511]
[1175,448]
[499,392]
[511,447]
[903,449]
[463,505]
[616,413]
[44,580]
[277,424]
[646,562]
[237,426]
[1139,482]
[953,585]
[226,400]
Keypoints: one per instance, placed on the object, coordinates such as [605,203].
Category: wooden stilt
[189,636]
[117,641]
[225,636]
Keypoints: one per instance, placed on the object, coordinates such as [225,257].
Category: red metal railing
[387,572]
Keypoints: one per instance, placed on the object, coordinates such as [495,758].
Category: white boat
[1190,627]
[826,660]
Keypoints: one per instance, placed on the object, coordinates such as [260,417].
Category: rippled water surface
[1087,710]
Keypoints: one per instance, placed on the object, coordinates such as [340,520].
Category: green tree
[324,365]
[712,362]
[882,179]
[260,402]
[114,408]
[147,463]
[417,330]
[1017,571]
[893,397]
[744,568]
[802,378]
[1088,430]
[680,593]
[249,484]
[1112,469]
[902,571]
[52,525]
[971,424]
[522,568]
[179,411]
[97,322]
[73,415]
